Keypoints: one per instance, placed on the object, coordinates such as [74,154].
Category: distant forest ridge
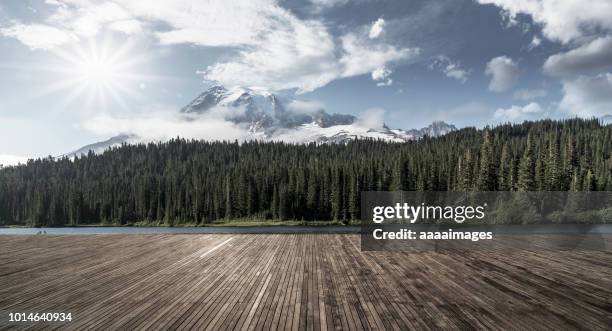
[198,182]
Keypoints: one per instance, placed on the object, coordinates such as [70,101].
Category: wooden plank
[298,282]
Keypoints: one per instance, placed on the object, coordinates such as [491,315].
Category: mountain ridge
[265,116]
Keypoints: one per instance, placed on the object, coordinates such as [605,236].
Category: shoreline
[236,224]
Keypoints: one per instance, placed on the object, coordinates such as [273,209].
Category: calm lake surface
[181,230]
[499,229]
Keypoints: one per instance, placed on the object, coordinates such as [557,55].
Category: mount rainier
[265,116]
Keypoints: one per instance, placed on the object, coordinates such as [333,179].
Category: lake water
[499,229]
[181,230]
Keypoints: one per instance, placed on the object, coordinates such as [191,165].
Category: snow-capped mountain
[265,116]
[276,118]
[261,110]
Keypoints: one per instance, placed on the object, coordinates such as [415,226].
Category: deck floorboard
[296,282]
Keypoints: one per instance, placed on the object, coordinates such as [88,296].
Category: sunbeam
[98,72]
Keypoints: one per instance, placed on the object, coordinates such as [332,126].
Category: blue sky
[66,63]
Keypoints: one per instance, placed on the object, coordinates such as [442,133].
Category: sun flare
[96,71]
[100,71]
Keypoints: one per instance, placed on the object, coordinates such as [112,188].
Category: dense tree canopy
[183,181]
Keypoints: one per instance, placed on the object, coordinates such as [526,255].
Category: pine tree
[526,170]
[505,170]
[182,181]
[486,180]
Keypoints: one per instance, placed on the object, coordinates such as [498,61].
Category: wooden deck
[299,282]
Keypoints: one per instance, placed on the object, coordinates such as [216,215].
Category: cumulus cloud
[11,160]
[295,55]
[306,57]
[561,21]
[273,47]
[588,96]
[593,56]
[524,94]
[361,56]
[504,73]
[518,113]
[381,76]
[450,68]
[71,20]
[91,17]
[38,36]
[377,28]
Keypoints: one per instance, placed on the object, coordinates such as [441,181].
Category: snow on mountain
[259,109]
[435,129]
[265,116]
[312,132]
[101,146]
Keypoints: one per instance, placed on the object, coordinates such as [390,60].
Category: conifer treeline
[198,182]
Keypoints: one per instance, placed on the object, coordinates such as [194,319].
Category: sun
[102,72]
[97,71]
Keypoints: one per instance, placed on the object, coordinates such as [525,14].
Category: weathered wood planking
[300,282]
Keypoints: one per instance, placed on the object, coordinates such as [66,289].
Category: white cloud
[361,56]
[524,94]
[588,96]
[38,36]
[593,56]
[381,76]
[535,42]
[89,20]
[377,28]
[210,23]
[73,19]
[162,126]
[306,58]
[296,54]
[304,106]
[518,113]
[217,22]
[323,4]
[273,47]
[11,160]
[450,68]
[504,73]
[373,118]
[128,27]
[564,20]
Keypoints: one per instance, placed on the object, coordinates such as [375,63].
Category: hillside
[199,182]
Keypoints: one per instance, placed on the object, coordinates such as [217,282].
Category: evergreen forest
[200,182]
